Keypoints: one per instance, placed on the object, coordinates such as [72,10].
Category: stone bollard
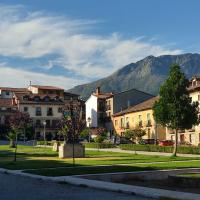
[56,146]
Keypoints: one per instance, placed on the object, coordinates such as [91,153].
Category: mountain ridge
[146,75]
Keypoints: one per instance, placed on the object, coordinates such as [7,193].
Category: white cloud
[21,78]
[38,34]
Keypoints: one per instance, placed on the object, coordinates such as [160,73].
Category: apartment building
[140,115]
[101,106]
[45,105]
[191,136]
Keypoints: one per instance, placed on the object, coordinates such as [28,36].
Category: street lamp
[89,124]
[44,124]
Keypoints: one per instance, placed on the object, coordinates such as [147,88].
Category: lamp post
[44,124]
[89,124]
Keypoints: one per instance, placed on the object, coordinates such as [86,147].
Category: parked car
[166,143]
[148,141]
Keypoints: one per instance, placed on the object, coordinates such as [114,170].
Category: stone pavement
[22,188]
[144,152]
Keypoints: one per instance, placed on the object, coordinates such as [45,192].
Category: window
[46,99]
[148,119]
[38,123]
[36,98]
[25,109]
[127,122]
[60,110]
[122,122]
[140,120]
[7,93]
[48,125]
[38,111]
[49,111]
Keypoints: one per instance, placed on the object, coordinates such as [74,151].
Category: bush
[156,148]
[98,145]
[48,143]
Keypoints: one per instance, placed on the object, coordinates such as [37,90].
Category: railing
[140,124]
[38,113]
[148,123]
[49,113]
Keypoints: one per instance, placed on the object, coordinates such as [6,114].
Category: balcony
[148,123]
[108,107]
[140,124]
[49,113]
[38,113]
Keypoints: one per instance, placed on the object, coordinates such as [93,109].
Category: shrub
[98,145]
[155,148]
[48,143]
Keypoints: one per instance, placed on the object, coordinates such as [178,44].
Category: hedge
[98,145]
[156,148]
[48,143]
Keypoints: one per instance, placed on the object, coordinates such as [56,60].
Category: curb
[154,193]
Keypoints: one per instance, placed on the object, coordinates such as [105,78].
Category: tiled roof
[13,89]
[6,103]
[103,95]
[139,107]
[30,100]
[47,87]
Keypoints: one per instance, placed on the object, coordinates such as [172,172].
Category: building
[44,104]
[140,115]
[96,108]
[101,106]
[191,136]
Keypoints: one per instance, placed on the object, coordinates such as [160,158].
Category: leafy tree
[175,109]
[70,127]
[85,133]
[17,124]
[136,133]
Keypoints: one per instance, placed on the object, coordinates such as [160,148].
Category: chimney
[98,90]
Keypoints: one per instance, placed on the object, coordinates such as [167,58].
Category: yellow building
[139,115]
[191,136]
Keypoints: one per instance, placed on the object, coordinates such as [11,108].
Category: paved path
[144,152]
[17,188]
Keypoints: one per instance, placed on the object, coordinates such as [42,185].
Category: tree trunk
[175,143]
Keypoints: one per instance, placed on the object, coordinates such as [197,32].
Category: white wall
[91,110]
[32,108]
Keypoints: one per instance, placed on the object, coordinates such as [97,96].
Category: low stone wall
[145,175]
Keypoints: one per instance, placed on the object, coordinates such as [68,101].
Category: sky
[70,42]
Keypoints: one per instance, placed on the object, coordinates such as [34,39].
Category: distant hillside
[146,75]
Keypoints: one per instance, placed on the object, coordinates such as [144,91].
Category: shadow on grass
[80,170]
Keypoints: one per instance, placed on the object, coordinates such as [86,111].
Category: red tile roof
[13,89]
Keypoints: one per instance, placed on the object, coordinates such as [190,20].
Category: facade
[192,136]
[95,108]
[44,104]
[100,107]
[140,115]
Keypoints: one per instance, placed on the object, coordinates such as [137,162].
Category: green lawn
[41,158]
[192,175]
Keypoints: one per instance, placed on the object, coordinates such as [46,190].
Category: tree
[136,133]
[17,124]
[175,108]
[85,133]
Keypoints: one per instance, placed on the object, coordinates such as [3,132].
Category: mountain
[146,75]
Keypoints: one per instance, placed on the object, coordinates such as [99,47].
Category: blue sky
[70,42]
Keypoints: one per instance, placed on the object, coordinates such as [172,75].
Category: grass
[40,159]
[192,175]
